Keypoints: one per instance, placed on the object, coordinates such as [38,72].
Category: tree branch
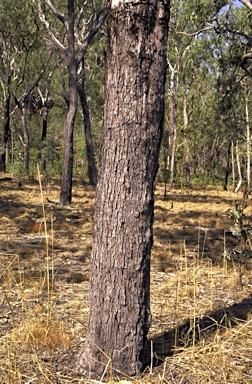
[19,100]
[100,17]
[196,32]
[247,3]
[59,15]
[80,13]
[222,29]
[46,23]
[249,55]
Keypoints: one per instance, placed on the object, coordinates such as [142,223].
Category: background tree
[46,103]
[189,23]
[19,39]
[92,172]
[209,47]
[72,59]
[209,55]
[234,68]
[133,120]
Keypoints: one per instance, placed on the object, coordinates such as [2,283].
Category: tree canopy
[208,81]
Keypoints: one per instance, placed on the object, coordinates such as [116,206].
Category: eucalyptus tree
[234,78]
[120,316]
[189,22]
[7,66]
[25,98]
[72,47]
[92,172]
[18,40]
[45,105]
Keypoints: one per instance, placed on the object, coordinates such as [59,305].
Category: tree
[24,103]
[68,53]
[190,21]
[234,70]
[72,59]
[6,133]
[18,41]
[45,105]
[133,120]
[92,172]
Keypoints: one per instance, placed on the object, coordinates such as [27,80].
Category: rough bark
[133,120]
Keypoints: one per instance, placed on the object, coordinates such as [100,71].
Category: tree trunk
[173,101]
[133,120]
[233,165]
[67,172]
[248,139]
[165,144]
[46,106]
[187,151]
[6,131]
[92,173]
[44,111]
[225,186]
[26,140]
[238,166]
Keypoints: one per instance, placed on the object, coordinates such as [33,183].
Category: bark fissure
[133,120]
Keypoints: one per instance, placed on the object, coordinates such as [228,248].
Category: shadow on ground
[165,343]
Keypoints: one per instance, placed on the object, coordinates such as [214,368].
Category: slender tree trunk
[92,173]
[26,143]
[233,165]
[133,120]
[227,168]
[172,124]
[6,132]
[165,144]
[25,140]
[172,144]
[212,156]
[43,138]
[67,172]
[46,106]
[238,166]
[187,151]
[248,138]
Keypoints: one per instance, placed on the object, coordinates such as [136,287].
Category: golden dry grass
[201,300]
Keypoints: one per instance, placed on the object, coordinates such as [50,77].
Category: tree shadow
[200,197]
[193,331]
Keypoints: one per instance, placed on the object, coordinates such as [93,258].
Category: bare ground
[201,299]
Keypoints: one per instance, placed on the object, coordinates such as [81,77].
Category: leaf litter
[201,301]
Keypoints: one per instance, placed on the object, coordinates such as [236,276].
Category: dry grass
[200,293]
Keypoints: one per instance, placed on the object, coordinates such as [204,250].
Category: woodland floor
[201,284]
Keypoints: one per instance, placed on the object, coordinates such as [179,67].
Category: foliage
[206,48]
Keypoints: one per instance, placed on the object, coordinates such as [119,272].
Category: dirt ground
[200,284]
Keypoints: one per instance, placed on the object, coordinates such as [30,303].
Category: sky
[237,3]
